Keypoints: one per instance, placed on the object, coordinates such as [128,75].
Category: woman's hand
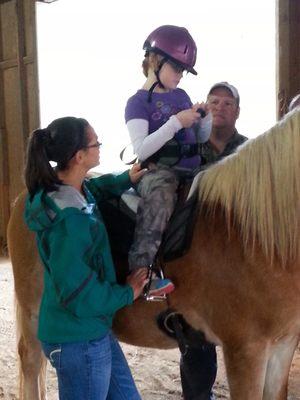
[135,173]
[137,280]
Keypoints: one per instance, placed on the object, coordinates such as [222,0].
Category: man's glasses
[97,144]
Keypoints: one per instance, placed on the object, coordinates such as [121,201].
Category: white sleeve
[145,145]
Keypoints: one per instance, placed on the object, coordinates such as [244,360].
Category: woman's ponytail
[38,171]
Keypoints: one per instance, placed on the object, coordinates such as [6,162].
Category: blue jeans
[92,370]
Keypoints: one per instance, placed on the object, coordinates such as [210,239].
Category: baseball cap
[233,90]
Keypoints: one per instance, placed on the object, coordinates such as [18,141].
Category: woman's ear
[78,158]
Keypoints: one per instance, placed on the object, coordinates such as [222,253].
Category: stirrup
[146,294]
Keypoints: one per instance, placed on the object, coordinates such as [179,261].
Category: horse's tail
[18,336]
[42,379]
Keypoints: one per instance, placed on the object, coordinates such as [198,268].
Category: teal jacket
[80,294]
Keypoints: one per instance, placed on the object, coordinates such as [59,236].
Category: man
[223,101]
[198,367]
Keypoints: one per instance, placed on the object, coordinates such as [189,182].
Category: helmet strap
[150,91]
[158,82]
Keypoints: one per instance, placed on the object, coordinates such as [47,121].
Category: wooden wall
[288,52]
[19,102]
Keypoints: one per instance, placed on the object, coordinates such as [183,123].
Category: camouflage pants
[157,189]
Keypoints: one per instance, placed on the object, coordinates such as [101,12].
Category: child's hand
[135,173]
[188,117]
[202,106]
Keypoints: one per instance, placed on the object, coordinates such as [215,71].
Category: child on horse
[166,130]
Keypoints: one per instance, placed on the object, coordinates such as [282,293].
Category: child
[80,295]
[165,130]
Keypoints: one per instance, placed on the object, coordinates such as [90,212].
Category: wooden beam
[294,48]
[288,53]
[19,98]
[4,170]
[14,63]
[21,28]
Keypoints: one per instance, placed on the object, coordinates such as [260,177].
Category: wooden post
[19,100]
[288,53]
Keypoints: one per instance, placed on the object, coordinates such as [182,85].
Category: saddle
[119,215]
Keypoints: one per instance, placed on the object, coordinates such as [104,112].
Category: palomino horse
[239,283]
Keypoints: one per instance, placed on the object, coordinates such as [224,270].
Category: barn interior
[19,85]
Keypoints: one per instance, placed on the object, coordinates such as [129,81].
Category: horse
[239,283]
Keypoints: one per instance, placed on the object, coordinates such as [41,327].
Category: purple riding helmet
[174,43]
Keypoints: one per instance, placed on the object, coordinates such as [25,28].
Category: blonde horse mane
[259,189]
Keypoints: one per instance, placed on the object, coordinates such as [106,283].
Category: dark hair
[59,142]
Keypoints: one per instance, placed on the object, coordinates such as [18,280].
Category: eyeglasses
[179,69]
[97,144]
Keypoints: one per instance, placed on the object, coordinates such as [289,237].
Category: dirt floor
[156,371]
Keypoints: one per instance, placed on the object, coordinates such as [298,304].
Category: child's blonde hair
[151,60]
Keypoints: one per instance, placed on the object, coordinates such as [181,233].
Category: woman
[81,294]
